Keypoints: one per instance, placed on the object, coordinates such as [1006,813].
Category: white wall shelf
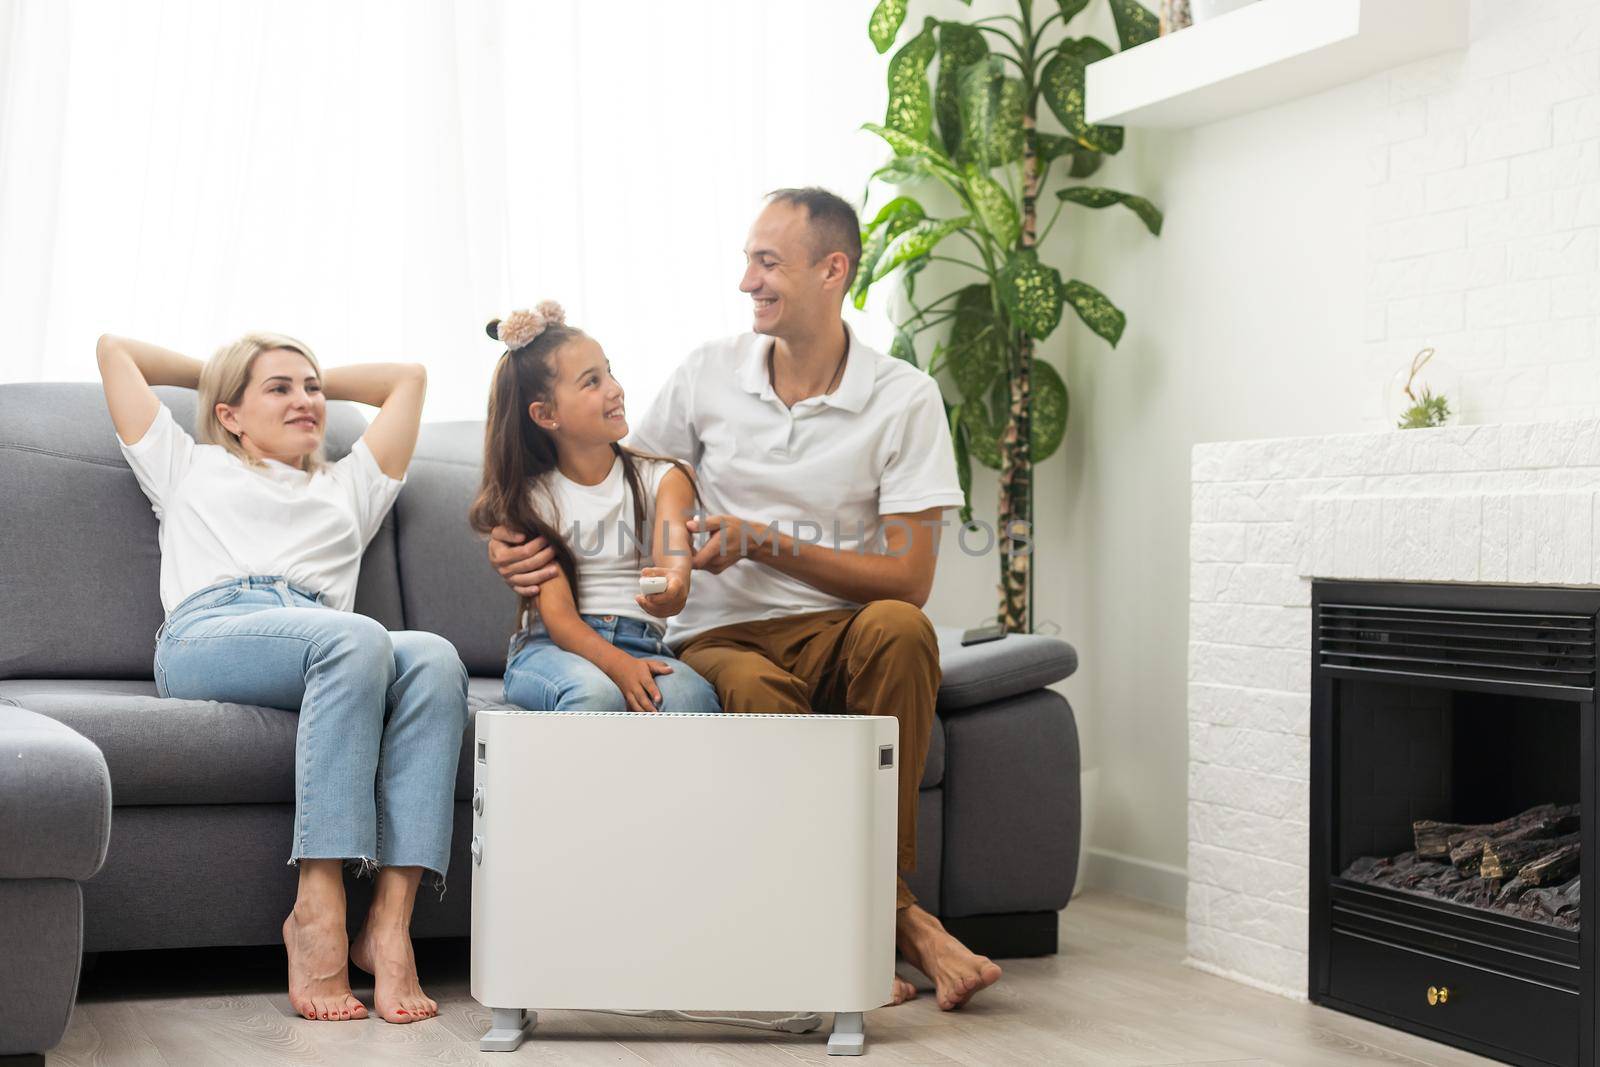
[1264,54]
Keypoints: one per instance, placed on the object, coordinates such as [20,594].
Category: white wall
[1310,249]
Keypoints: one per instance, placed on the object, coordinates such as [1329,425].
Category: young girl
[553,467]
[261,543]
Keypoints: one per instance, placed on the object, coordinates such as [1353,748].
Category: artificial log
[1552,867]
[1463,843]
[1505,857]
[1433,838]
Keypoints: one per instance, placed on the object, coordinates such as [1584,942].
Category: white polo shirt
[826,470]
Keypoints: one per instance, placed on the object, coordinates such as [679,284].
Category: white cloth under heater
[689,862]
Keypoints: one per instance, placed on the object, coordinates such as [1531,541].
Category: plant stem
[940,321]
[961,262]
[1002,33]
[1016,460]
[1052,223]
[996,18]
[921,311]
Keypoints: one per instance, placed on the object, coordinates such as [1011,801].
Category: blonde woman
[261,542]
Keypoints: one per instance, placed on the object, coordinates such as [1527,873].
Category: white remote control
[651,586]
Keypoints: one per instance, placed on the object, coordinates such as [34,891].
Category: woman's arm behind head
[397,390]
[128,369]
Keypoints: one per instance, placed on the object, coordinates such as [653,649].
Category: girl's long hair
[518,452]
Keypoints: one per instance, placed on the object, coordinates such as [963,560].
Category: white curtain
[381,178]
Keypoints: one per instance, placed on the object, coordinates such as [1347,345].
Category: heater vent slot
[1520,648]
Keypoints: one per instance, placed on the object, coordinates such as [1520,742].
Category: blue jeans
[541,676]
[381,714]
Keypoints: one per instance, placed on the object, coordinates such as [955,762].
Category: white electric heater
[683,862]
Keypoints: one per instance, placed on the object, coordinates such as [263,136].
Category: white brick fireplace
[1513,504]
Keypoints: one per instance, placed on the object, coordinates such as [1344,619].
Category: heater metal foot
[849,1037]
[508,1029]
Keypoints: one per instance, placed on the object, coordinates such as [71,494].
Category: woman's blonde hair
[223,380]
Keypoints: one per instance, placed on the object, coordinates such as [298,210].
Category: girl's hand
[636,679]
[669,601]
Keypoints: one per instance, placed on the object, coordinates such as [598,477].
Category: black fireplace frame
[1517,969]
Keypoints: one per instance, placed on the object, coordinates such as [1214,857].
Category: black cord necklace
[838,370]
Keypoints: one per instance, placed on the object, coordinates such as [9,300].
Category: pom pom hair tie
[521,327]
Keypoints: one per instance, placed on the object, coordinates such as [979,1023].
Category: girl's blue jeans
[541,676]
[381,713]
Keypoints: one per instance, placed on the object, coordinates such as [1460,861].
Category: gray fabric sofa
[201,819]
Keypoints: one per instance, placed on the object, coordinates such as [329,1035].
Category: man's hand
[732,539]
[524,566]
[668,602]
[636,679]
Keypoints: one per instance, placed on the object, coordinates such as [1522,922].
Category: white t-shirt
[826,470]
[597,521]
[224,518]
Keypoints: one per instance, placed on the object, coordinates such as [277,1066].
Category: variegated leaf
[1031,293]
[1061,85]
[884,25]
[991,114]
[1097,313]
[996,210]
[916,242]
[897,171]
[960,46]
[897,216]
[1047,412]
[900,205]
[1069,10]
[920,153]
[1047,416]
[976,354]
[983,432]
[1092,196]
[1135,23]
[903,348]
[910,103]
[1085,161]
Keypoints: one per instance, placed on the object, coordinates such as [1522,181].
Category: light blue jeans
[381,714]
[541,676]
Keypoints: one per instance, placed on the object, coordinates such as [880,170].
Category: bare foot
[385,953]
[901,991]
[957,972]
[319,981]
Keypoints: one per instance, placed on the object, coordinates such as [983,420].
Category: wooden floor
[1117,994]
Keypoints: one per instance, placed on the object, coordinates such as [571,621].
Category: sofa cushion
[55,799]
[206,752]
[994,670]
[450,589]
[80,556]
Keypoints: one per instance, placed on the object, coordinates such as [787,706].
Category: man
[811,450]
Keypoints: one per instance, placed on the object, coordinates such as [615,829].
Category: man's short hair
[834,224]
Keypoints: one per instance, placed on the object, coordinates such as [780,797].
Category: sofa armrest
[55,799]
[994,670]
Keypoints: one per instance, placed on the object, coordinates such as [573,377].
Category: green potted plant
[965,114]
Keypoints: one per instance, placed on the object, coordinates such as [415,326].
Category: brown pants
[881,659]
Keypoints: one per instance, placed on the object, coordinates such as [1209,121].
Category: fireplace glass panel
[1410,754]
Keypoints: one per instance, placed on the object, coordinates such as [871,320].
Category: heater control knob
[477,799]
[1438,995]
[477,849]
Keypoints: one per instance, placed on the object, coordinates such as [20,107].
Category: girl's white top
[597,521]
[224,518]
